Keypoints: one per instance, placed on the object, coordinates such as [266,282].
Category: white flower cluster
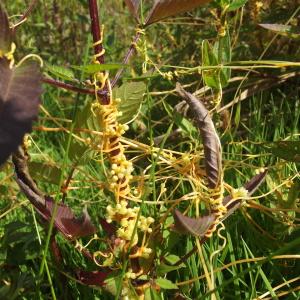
[239,193]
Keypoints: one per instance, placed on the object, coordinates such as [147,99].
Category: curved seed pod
[211,141]
[251,186]
[5,32]
[187,225]
[166,8]
[133,6]
[20,89]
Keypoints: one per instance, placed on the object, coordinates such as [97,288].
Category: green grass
[60,35]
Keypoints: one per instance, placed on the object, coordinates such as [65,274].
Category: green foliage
[213,51]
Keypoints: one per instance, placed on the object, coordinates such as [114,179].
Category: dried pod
[211,141]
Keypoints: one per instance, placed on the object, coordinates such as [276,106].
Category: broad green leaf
[94,68]
[41,171]
[166,8]
[80,153]
[236,4]
[131,95]
[166,284]
[209,59]
[288,150]
[285,30]
[172,259]
[61,72]
[222,51]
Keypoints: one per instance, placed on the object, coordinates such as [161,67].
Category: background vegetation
[260,259]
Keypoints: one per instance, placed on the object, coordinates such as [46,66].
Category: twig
[25,14]
[71,87]
[128,55]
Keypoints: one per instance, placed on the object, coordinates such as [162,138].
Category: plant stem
[97,38]
[128,55]
[95,29]
[25,14]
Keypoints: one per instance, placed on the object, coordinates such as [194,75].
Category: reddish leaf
[251,186]
[187,225]
[211,141]
[65,220]
[20,89]
[133,6]
[5,32]
[96,278]
[109,228]
[166,8]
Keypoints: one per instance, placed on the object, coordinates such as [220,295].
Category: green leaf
[211,76]
[222,50]
[236,4]
[284,30]
[131,95]
[152,294]
[288,150]
[166,284]
[163,269]
[45,172]
[94,68]
[61,72]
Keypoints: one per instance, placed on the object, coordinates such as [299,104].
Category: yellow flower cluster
[127,218]
[120,169]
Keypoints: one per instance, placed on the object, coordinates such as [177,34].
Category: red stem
[71,87]
[95,29]
[98,47]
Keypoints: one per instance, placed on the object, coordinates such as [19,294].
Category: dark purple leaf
[166,8]
[211,141]
[109,228]
[20,89]
[95,278]
[5,32]
[187,225]
[133,6]
[65,220]
[251,186]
